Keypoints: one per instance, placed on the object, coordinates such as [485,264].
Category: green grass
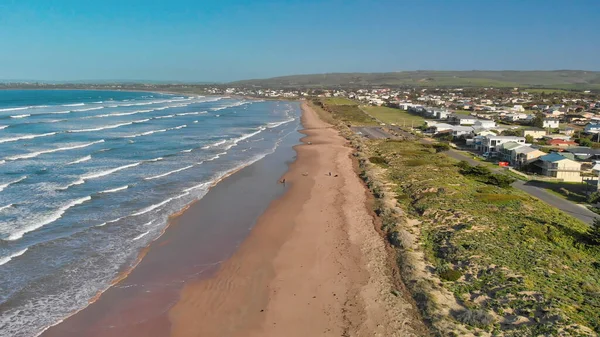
[339,101]
[528,258]
[547,91]
[462,112]
[394,116]
[349,114]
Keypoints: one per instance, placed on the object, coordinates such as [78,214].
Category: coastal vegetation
[479,257]
[394,116]
[344,110]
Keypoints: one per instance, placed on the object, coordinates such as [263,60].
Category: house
[583,152]
[513,117]
[568,131]
[550,123]
[518,108]
[557,166]
[536,133]
[592,128]
[458,131]
[436,128]
[461,119]
[490,143]
[484,124]
[442,114]
[525,155]
[561,143]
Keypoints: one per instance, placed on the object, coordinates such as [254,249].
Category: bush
[500,180]
[594,232]
[378,160]
[477,318]
[450,275]
[441,147]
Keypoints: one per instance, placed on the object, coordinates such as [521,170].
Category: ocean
[89,178]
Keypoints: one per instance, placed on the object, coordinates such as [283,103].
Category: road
[578,211]
[372,132]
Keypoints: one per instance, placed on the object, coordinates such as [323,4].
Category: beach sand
[312,265]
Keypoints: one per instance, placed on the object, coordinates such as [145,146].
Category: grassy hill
[562,79]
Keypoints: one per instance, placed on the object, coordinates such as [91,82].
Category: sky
[227,40]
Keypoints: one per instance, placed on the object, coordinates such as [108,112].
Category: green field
[462,112]
[339,101]
[394,116]
[502,253]
[344,110]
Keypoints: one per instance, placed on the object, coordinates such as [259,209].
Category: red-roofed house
[561,143]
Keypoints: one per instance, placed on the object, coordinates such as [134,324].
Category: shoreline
[313,263]
[280,157]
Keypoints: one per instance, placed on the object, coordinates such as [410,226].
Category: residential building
[550,123]
[484,124]
[557,166]
[561,143]
[490,143]
[536,133]
[462,119]
[525,155]
[459,131]
[592,128]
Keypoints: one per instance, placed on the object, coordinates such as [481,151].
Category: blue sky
[224,40]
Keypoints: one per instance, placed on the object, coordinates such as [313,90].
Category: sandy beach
[312,265]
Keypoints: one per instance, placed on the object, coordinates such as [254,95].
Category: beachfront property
[557,166]
[519,154]
[489,144]
[461,119]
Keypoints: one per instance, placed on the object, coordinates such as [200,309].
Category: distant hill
[563,79]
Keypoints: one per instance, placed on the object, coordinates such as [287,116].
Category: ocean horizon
[89,178]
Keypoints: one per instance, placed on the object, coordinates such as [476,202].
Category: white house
[462,119]
[513,117]
[490,143]
[484,124]
[458,131]
[550,123]
[592,128]
[518,108]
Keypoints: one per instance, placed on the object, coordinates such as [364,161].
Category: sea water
[89,178]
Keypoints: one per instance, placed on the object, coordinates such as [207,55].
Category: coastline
[313,263]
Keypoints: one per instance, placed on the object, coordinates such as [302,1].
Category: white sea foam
[187,151]
[203,185]
[221,142]
[14,139]
[6,207]
[167,116]
[49,219]
[80,160]
[107,172]
[117,114]
[3,127]
[248,135]
[35,154]
[111,221]
[140,236]
[61,112]
[20,116]
[169,173]
[195,122]
[232,105]
[89,109]
[145,133]
[15,109]
[217,156]
[274,125]
[153,207]
[6,259]
[116,189]
[156,159]
[75,183]
[3,186]
[76,104]
[191,113]
[106,127]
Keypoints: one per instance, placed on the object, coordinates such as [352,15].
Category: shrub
[500,180]
[450,275]
[416,162]
[441,147]
[477,318]
[594,232]
[378,160]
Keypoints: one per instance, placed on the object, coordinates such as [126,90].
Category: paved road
[372,132]
[576,210]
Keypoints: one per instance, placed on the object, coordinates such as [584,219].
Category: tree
[529,139]
[585,142]
[594,232]
[538,121]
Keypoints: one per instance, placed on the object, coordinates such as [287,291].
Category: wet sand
[313,265]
